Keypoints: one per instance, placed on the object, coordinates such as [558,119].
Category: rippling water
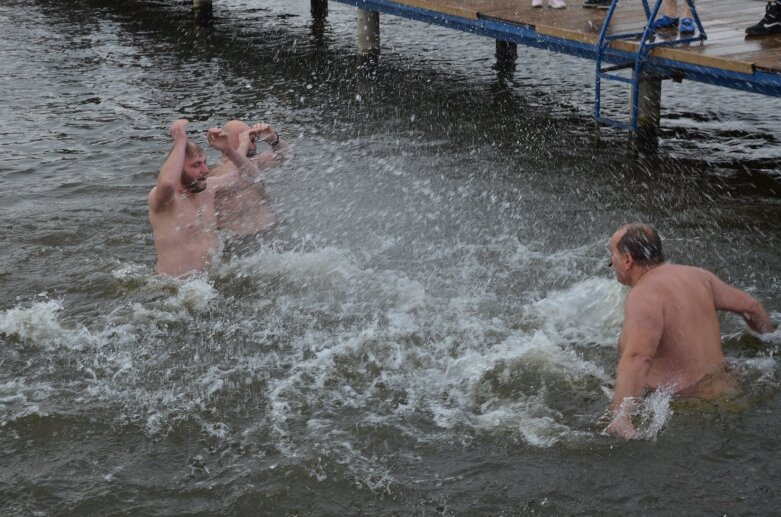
[430,328]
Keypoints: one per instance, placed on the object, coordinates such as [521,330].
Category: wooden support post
[319,9]
[202,12]
[368,33]
[506,56]
[649,105]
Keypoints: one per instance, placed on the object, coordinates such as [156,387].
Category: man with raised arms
[671,337]
[248,211]
[181,205]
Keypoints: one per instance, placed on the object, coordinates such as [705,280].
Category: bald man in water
[671,337]
[248,211]
[181,205]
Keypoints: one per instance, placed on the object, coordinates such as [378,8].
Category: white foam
[324,263]
[40,324]
[592,310]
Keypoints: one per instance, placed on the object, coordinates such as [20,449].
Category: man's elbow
[638,362]
[757,318]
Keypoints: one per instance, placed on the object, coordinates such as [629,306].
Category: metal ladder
[646,46]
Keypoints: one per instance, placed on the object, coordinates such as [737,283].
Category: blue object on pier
[646,45]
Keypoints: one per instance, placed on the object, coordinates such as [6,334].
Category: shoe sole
[760,34]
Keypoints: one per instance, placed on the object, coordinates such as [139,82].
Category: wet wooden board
[724,21]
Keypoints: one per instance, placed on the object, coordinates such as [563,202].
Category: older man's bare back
[689,350]
[671,337]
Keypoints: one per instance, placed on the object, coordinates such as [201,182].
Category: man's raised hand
[177,129]
[263,132]
[218,139]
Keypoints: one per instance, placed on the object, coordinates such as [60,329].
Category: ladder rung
[614,77]
[622,66]
[626,35]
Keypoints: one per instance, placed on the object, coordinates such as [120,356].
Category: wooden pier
[727,58]
[726,48]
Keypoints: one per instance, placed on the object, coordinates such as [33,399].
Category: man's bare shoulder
[674,272]
[645,294]
[220,170]
[689,275]
[227,180]
[151,197]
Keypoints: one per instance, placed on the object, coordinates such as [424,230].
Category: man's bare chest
[195,216]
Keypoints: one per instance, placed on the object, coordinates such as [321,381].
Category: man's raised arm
[219,140]
[280,151]
[728,298]
[170,173]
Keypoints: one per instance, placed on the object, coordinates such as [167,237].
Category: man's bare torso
[690,347]
[186,233]
[247,211]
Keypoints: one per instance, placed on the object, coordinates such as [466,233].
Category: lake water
[430,327]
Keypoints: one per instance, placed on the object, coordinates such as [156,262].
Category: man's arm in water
[170,173]
[640,337]
[728,298]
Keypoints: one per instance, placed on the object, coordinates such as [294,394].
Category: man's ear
[627,260]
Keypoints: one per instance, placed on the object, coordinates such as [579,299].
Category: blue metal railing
[640,61]
[762,82]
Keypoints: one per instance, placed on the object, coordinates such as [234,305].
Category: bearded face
[194,174]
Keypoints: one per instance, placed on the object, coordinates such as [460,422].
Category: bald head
[234,128]
[642,242]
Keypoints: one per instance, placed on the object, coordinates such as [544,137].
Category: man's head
[634,249]
[234,128]
[195,169]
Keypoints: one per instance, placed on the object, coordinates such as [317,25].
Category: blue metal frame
[765,83]
[641,58]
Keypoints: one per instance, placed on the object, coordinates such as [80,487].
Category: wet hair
[642,242]
[192,149]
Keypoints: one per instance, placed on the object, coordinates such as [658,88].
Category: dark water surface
[429,329]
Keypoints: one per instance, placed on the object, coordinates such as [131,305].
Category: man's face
[619,260]
[252,149]
[194,173]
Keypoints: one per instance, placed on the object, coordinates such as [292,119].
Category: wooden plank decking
[727,48]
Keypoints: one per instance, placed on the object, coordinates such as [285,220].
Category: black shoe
[597,4]
[770,24]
